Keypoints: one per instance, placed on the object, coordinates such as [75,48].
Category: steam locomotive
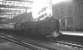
[45,27]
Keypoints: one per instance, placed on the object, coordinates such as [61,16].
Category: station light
[1,0]
[16,3]
[60,1]
[38,6]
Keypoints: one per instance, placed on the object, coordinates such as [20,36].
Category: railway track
[33,45]
[58,44]
[75,43]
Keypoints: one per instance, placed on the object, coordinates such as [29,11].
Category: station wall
[71,13]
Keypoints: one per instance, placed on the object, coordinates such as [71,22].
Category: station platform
[72,33]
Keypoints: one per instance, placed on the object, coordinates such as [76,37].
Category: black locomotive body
[25,23]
